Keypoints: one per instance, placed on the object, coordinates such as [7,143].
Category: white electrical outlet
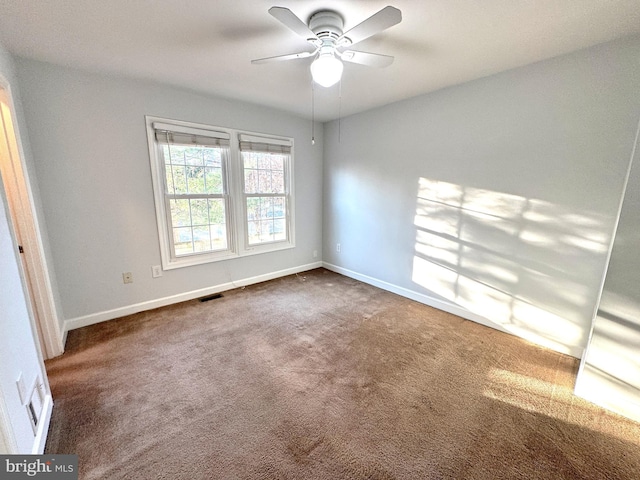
[156,271]
[127,277]
[315,254]
[338,247]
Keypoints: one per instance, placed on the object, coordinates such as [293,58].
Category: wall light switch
[127,277]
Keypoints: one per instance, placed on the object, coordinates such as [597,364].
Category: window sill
[204,258]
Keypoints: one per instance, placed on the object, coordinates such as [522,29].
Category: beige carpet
[317,376]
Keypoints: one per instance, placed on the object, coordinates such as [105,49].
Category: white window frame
[237,222]
[288,172]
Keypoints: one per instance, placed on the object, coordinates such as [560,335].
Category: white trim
[93,318]
[43,427]
[41,302]
[435,303]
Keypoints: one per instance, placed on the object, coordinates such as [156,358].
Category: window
[219,193]
[265,194]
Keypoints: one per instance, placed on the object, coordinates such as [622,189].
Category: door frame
[17,187]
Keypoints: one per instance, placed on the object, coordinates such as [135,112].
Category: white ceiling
[207,45]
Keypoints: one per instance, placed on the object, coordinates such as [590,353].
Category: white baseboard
[98,317]
[576,352]
[79,322]
[43,429]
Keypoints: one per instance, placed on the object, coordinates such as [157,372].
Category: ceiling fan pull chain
[340,111]
[313,114]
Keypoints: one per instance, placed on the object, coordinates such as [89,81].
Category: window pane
[253,208]
[185,170]
[204,227]
[279,229]
[201,239]
[278,206]
[199,212]
[216,211]
[193,155]
[213,180]
[169,181]
[180,213]
[177,155]
[250,180]
[263,172]
[264,181]
[212,157]
[266,219]
[199,225]
[277,181]
[265,231]
[195,179]
[219,236]
[264,161]
[253,229]
[276,162]
[179,177]
[182,240]
[250,159]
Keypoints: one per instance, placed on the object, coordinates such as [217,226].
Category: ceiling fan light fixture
[326,70]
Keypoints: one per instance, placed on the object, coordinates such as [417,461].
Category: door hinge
[20,249]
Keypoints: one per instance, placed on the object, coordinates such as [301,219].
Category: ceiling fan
[331,44]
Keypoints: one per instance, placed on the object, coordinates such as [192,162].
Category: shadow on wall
[525,265]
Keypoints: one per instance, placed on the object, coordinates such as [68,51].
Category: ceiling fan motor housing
[327,25]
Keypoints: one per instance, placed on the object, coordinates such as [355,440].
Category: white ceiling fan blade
[376,23]
[291,56]
[290,20]
[368,59]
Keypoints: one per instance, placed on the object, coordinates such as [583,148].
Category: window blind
[176,135]
[249,143]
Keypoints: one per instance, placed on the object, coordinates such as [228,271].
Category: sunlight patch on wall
[524,264]
[515,315]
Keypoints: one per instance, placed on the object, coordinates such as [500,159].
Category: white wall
[610,373]
[495,199]
[92,166]
[18,351]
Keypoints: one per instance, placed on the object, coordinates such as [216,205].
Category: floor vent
[211,297]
